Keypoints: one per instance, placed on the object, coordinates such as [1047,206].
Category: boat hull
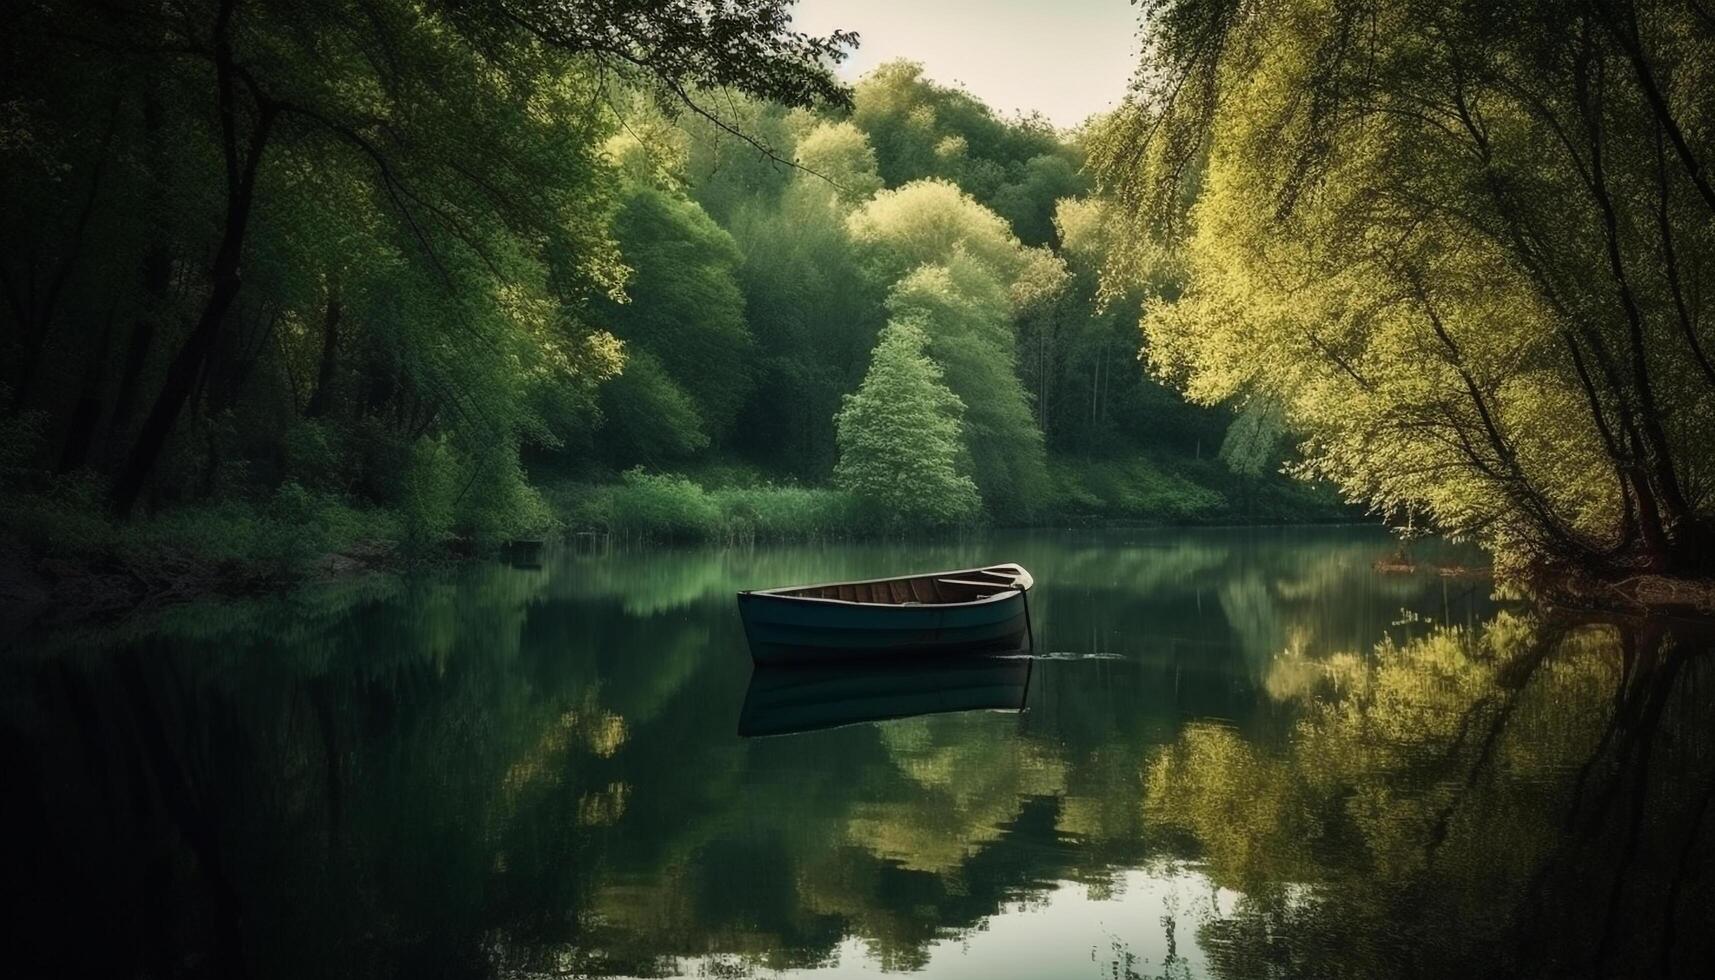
[784,630]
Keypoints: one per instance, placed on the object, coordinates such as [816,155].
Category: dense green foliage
[921,130]
[1464,248]
[392,222]
[421,261]
[655,506]
[682,322]
[899,436]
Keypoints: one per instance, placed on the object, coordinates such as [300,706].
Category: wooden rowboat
[971,609]
[783,700]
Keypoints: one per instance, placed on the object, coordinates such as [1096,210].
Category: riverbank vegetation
[460,274]
[442,276]
[1464,249]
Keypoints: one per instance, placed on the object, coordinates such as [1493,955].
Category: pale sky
[1065,58]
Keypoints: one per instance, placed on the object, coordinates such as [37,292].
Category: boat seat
[971,584]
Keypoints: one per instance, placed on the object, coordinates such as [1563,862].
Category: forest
[294,279]
[287,282]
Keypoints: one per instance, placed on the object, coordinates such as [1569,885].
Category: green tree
[1472,264]
[1078,355]
[259,173]
[926,221]
[647,417]
[957,269]
[1252,441]
[813,313]
[920,130]
[683,305]
[840,155]
[899,438]
[966,315]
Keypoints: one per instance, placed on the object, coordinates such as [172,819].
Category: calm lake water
[1241,754]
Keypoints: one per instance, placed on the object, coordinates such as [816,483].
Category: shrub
[1134,490]
[494,503]
[672,507]
[428,493]
[313,456]
[66,517]
[581,506]
[787,512]
[20,438]
[656,505]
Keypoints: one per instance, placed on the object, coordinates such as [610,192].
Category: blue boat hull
[783,629]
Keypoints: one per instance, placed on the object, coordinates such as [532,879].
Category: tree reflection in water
[1526,798]
[505,772]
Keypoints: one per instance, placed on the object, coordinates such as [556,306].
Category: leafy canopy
[1467,248]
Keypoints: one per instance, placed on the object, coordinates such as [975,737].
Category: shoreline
[1647,595]
[55,592]
[51,592]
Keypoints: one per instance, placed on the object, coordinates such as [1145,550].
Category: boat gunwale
[1007,591]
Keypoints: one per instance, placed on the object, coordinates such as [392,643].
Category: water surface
[1242,754]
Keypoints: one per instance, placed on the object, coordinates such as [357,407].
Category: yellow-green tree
[1466,246]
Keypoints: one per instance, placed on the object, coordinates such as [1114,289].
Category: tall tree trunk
[136,356]
[1653,548]
[38,321]
[181,378]
[157,277]
[1627,535]
[1631,42]
[80,433]
[242,165]
[31,343]
[1670,262]
[1654,450]
[323,395]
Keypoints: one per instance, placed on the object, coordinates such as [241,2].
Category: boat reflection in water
[785,699]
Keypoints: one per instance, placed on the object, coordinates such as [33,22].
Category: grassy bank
[733,504]
[656,506]
[1140,491]
[339,499]
[62,552]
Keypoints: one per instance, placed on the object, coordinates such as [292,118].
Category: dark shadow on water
[786,700]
